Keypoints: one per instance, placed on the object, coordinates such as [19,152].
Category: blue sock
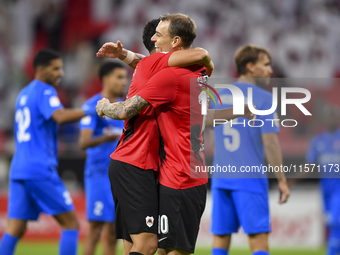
[68,242]
[261,253]
[8,244]
[219,251]
[333,242]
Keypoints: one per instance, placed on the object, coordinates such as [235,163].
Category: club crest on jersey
[149,221]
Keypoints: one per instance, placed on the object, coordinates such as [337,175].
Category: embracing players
[34,185]
[181,198]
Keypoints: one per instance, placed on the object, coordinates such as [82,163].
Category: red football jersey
[139,143]
[175,95]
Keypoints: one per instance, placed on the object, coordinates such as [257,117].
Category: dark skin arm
[67,115]
[86,140]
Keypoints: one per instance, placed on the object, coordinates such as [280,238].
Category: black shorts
[180,212]
[134,191]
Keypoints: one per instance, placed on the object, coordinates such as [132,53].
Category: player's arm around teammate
[180,58]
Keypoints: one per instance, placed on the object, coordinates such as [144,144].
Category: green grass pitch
[32,248]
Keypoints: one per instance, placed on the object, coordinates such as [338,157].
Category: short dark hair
[246,54]
[44,57]
[148,31]
[183,26]
[108,67]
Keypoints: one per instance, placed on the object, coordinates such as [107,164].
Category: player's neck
[181,48]
[40,78]
[245,79]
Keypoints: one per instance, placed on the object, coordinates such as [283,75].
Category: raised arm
[180,58]
[116,50]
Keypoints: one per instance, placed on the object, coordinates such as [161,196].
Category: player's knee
[95,230]
[72,223]
[17,232]
[153,246]
[75,224]
[111,233]
[148,247]
[259,242]
[16,229]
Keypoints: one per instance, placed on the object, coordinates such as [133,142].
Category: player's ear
[176,41]
[250,67]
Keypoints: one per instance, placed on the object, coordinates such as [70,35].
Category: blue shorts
[332,208]
[28,198]
[234,208]
[99,201]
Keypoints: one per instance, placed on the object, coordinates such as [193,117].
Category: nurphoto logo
[238,101]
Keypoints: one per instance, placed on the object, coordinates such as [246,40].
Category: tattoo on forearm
[135,61]
[124,110]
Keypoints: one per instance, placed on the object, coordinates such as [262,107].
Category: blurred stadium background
[303,38]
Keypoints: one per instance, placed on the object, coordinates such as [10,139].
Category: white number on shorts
[231,143]
[23,118]
[163,224]
[68,199]
[98,208]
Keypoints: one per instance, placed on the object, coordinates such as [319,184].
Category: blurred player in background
[100,137]
[35,186]
[244,201]
[135,161]
[324,150]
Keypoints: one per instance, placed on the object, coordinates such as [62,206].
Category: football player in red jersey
[135,161]
[182,198]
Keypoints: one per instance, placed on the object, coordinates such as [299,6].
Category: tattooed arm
[121,110]
[116,50]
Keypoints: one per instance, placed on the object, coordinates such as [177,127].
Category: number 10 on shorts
[163,224]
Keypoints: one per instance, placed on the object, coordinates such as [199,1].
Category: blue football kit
[241,198]
[324,152]
[99,202]
[35,186]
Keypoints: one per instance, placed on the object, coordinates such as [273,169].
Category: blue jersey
[324,150]
[241,145]
[35,132]
[98,157]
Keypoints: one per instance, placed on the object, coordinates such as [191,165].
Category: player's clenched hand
[111,50]
[100,107]
[248,114]
[284,191]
